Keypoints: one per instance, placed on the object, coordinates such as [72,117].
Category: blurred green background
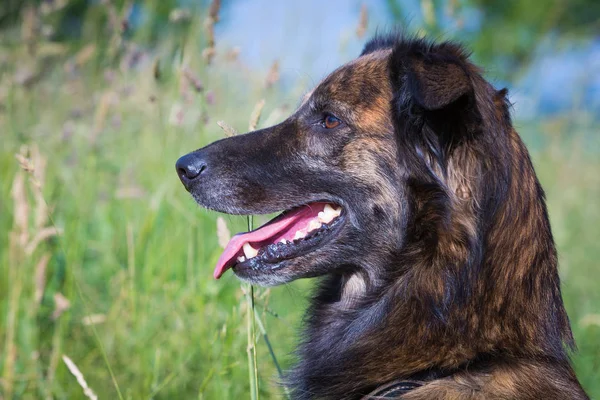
[105,259]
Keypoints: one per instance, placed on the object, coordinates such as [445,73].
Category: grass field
[126,285]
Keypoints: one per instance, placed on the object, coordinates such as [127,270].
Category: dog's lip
[263,265]
[281,227]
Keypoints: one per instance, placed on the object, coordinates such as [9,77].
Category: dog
[404,186]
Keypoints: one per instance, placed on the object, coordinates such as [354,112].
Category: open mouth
[291,234]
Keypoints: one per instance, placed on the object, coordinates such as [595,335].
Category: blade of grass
[265,336]
[252,366]
[205,382]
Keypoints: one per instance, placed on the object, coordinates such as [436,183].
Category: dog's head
[353,169]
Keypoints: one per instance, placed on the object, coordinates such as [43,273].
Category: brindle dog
[406,188]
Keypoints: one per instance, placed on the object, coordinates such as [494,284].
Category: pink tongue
[283,226]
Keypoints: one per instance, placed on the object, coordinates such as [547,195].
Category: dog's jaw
[292,233]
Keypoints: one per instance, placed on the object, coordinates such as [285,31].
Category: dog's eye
[330,122]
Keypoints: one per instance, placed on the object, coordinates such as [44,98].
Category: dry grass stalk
[32,225]
[40,278]
[255,116]
[21,210]
[42,235]
[18,239]
[227,129]
[192,79]
[273,74]
[213,17]
[30,27]
[223,234]
[93,319]
[363,22]
[33,163]
[87,391]
[23,241]
[213,11]
[107,100]
[84,55]
[208,54]
[61,304]
[24,162]
[38,178]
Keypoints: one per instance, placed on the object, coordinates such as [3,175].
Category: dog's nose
[189,167]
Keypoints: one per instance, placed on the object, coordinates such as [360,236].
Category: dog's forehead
[350,82]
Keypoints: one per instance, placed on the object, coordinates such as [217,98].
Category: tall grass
[120,280]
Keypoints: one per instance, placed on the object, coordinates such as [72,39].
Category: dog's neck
[353,288]
[344,309]
[442,311]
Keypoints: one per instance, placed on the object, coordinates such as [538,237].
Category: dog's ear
[434,101]
[432,76]
[435,84]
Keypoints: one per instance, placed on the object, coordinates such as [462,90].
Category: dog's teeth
[284,241]
[249,251]
[241,259]
[299,235]
[329,213]
[314,224]
[328,209]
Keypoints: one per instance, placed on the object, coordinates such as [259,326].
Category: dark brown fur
[445,266]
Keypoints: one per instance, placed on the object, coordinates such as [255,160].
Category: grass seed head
[223,233]
[255,116]
[363,23]
[227,129]
[87,391]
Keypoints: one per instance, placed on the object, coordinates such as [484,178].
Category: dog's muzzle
[190,167]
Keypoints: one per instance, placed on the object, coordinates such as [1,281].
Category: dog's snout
[189,167]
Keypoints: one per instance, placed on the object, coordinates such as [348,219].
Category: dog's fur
[445,266]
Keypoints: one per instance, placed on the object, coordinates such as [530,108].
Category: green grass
[136,250]
[143,260]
